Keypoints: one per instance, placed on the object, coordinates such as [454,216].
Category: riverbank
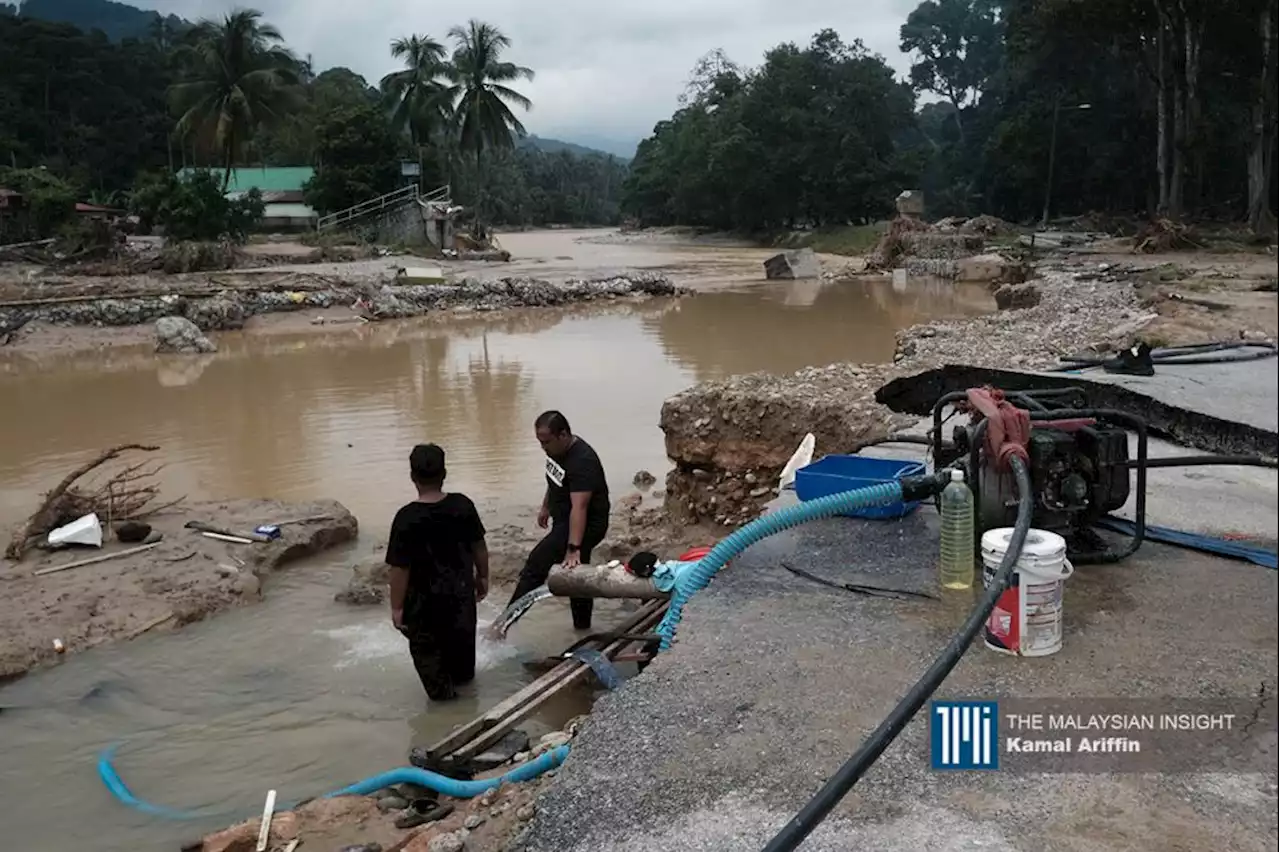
[82,312]
[730,439]
[184,577]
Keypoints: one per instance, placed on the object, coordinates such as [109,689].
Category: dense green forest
[1040,108]
[105,110]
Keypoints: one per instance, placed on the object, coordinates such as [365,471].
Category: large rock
[178,334]
[802,263]
[1012,297]
[368,582]
[990,268]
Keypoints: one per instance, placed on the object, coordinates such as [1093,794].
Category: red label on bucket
[1002,625]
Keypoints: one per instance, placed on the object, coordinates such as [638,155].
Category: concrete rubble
[179,334]
[229,308]
[730,439]
[789,265]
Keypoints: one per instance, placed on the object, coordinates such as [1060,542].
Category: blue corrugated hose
[698,577]
[404,775]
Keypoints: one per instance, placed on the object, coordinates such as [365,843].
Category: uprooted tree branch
[127,495]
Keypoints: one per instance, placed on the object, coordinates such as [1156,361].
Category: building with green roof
[281,188]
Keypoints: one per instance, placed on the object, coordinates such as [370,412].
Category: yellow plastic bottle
[955,567]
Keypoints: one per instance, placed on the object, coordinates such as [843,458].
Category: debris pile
[1163,235]
[730,439]
[212,308]
[193,560]
[129,494]
[924,249]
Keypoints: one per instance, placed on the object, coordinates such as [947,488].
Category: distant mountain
[623,148]
[117,20]
[555,146]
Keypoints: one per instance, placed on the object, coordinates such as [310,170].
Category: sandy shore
[181,579]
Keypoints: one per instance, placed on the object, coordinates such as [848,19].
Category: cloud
[603,70]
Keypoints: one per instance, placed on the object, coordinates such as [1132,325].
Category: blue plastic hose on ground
[447,786]
[442,784]
[761,528]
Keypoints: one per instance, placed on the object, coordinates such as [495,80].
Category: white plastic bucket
[1027,619]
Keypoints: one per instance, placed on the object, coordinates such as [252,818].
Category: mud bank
[219,308]
[181,579]
[730,439]
[486,823]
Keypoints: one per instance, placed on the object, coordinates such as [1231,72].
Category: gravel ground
[775,680]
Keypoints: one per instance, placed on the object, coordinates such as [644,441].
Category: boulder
[985,268]
[793,264]
[132,532]
[1012,297]
[178,334]
[368,583]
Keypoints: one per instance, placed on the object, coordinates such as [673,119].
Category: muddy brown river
[305,695]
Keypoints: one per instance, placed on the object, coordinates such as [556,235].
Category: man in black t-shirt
[439,570]
[576,504]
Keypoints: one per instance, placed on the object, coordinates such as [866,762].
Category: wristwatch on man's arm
[573,548]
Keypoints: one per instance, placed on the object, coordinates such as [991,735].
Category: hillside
[555,146]
[117,20]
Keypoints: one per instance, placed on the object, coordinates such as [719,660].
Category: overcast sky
[605,71]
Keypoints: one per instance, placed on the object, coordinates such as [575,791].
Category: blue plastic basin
[834,474]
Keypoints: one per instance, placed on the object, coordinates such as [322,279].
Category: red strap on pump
[1008,427]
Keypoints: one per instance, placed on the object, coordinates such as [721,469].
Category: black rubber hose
[922,440]
[838,786]
[1198,353]
[1191,461]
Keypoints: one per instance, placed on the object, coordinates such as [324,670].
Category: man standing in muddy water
[576,504]
[439,571]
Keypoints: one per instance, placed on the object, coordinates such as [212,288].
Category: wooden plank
[93,560]
[264,832]
[497,732]
[513,703]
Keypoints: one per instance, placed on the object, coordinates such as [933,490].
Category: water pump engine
[1078,459]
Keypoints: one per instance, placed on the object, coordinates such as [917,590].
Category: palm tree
[238,77]
[417,95]
[479,92]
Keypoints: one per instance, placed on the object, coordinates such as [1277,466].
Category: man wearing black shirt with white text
[576,504]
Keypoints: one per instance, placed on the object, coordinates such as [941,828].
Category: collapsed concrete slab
[1222,408]
[789,265]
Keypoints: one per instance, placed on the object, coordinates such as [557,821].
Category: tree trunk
[1193,39]
[228,159]
[1177,170]
[1262,154]
[1162,118]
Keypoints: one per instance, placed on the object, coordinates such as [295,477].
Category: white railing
[396,198]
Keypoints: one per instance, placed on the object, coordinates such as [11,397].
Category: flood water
[305,695]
